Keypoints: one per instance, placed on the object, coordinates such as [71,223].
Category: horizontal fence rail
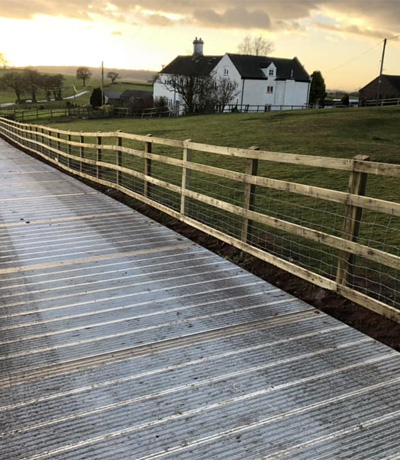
[338,238]
[35,114]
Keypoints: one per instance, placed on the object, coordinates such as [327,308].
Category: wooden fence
[29,115]
[181,179]
[26,115]
[248,108]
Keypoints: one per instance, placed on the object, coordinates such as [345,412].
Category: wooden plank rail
[59,147]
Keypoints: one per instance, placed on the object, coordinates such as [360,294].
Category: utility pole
[378,93]
[102,83]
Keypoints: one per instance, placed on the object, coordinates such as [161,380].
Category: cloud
[19,9]
[233,18]
[352,29]
[377,15]
[158,20]
[377,11]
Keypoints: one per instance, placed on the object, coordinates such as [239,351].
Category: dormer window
[226,71]
[271,72]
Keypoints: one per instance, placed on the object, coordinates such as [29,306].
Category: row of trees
[30,82]
[84,74]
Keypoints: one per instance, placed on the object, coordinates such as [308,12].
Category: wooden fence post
[352,224]
[58,146]
[147,168]
[36,138]
[42,139]
[82,152]
[29,137]
[249,198]
[119,159]
[69,149]
[187,154]
[98,155]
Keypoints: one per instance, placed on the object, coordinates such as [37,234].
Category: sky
[342,39]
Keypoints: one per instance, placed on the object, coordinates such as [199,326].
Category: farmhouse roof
[393,80]
[131,93]
[191,65]
[250,67]
[113,95]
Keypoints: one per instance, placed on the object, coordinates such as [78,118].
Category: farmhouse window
[271,72]
[226,71]
[270,89]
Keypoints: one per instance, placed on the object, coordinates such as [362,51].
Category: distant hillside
[126,74]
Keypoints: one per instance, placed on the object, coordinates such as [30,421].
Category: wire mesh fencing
[334,222]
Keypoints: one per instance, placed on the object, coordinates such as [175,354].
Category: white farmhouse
[263,81]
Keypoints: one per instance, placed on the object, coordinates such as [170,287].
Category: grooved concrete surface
[120,339]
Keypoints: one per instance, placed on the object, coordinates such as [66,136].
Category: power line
[353,59]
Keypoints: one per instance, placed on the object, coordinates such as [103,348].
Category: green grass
[334,133]
[7,95]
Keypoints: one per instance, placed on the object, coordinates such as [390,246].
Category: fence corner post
[352,223]
[249,197]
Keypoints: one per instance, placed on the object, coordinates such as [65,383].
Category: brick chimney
[198,47]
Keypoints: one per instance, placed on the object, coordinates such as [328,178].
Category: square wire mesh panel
[292,226]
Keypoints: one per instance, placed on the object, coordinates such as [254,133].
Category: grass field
[7,95]
[337,133]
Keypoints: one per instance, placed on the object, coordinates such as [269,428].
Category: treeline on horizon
[32,82]
[143,75]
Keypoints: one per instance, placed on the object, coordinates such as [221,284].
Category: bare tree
[225,91]
[15,81]
[34,81]
[57,84]
[194,90]
[83,73]
[3,61]
[113,76]
[53,86]
[201,93]
[256,46]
